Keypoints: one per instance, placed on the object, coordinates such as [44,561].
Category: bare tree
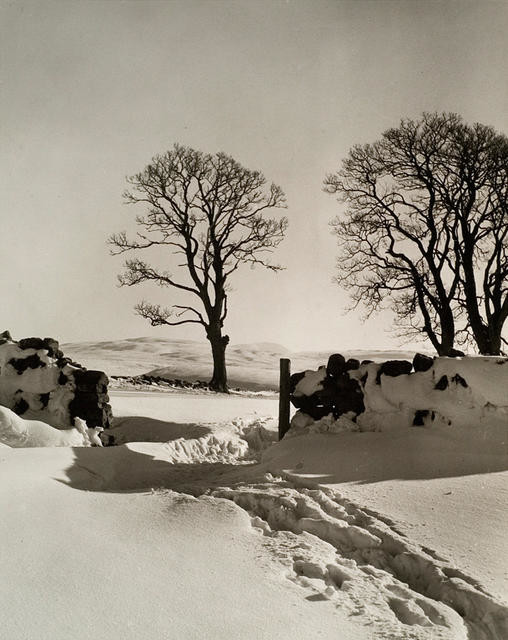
[478,202]
[425,221]
[209,210]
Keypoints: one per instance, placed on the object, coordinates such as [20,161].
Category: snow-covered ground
[199,524]
[250,366]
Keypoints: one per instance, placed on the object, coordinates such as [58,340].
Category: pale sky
[90,91]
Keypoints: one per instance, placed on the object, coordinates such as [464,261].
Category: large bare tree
[210,211]
[425,229]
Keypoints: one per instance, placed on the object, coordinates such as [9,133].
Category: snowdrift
[17,432]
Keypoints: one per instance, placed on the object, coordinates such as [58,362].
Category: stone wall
[462,391]
[39,383]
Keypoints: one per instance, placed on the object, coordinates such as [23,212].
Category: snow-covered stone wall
[463,392]
[39,383]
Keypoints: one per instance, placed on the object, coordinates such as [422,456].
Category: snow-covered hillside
[201,525]
[250,366]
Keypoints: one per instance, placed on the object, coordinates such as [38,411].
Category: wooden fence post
[285,373]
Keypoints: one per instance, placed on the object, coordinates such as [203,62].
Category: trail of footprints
[350,556]
[354,558]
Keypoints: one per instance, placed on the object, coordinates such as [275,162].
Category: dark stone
[88,409]
[30,362]
[31,343]
[6,336]
[442,383]
[44,399]
[367,361]
[52,347]
[90,399]
[294,380]
[339,395]
[85,400]
[363,379]
[107,439]
[419,419]
[456,353]
[62,362]
[422,362]
[352,364]
[312,407]
[89,380]
[62,379]
[348,397]
[336,365]
[21,406]
[394,368]
[458,379]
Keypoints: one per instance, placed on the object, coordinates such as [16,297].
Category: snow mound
[17,432]
[466,393]
[240,439]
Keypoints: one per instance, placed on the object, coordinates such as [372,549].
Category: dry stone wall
[39,383]
[462,391]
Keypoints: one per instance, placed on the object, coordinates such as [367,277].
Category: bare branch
[158,316]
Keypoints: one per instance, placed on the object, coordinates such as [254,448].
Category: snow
[311,383]
[253,366]
[200,524]
[447,493]
[18,432]
[138,565]
[465,393]
[475,393]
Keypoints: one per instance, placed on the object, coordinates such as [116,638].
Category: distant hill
[250,366]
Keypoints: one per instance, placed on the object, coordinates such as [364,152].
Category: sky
[91,91]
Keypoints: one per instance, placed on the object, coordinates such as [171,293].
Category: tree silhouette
[425,229]
[209,210]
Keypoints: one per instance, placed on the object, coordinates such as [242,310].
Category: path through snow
[335,550]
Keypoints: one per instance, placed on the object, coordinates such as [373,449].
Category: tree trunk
[492,346]
[446,347]
[495,345]
[443,342]
[479,329]
[218,342]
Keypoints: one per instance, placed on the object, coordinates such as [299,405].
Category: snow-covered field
[250,366]
[199,524]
